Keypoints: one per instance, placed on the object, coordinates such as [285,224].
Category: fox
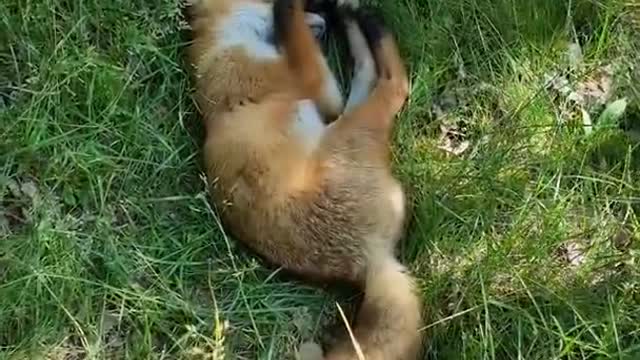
[300,174]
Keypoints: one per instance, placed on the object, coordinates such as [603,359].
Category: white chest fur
[250,26]
[308,124]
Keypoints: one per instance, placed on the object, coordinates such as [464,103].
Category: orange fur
[328,210]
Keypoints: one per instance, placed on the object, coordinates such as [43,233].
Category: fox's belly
[308,125]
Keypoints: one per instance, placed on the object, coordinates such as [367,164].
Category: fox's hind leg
[364,67]
[366,126]
[358,143]
[343,14]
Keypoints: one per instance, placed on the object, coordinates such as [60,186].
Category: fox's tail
[388,322]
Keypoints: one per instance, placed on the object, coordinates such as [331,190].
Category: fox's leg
[330,101]
[364,72]
[304,57]
[364,67]
[359,140]
[365,128]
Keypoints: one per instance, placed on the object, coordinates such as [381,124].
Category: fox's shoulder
[221,25]
[233,55]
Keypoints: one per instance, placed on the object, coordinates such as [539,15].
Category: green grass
[108,248]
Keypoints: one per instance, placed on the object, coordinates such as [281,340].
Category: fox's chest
[250,27]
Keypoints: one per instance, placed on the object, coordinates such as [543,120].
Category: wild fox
[299,175]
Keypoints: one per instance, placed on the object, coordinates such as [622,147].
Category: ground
[518,146]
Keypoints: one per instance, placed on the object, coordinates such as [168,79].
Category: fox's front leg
[304,57]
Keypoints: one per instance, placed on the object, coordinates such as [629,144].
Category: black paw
[320,6]
[372,25]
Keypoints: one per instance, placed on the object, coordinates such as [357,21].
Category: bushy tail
[388,322]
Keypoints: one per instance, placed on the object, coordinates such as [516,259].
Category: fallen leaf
[622,239]
[612,114]
[586,121]
[29,188]
[302,320]
[596,89]
[583,95]
[574,253]
[14,188]
[574,55]
[455,149]
[65,351]
[109,321]
[558,83]
[577,98]
[450,140]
